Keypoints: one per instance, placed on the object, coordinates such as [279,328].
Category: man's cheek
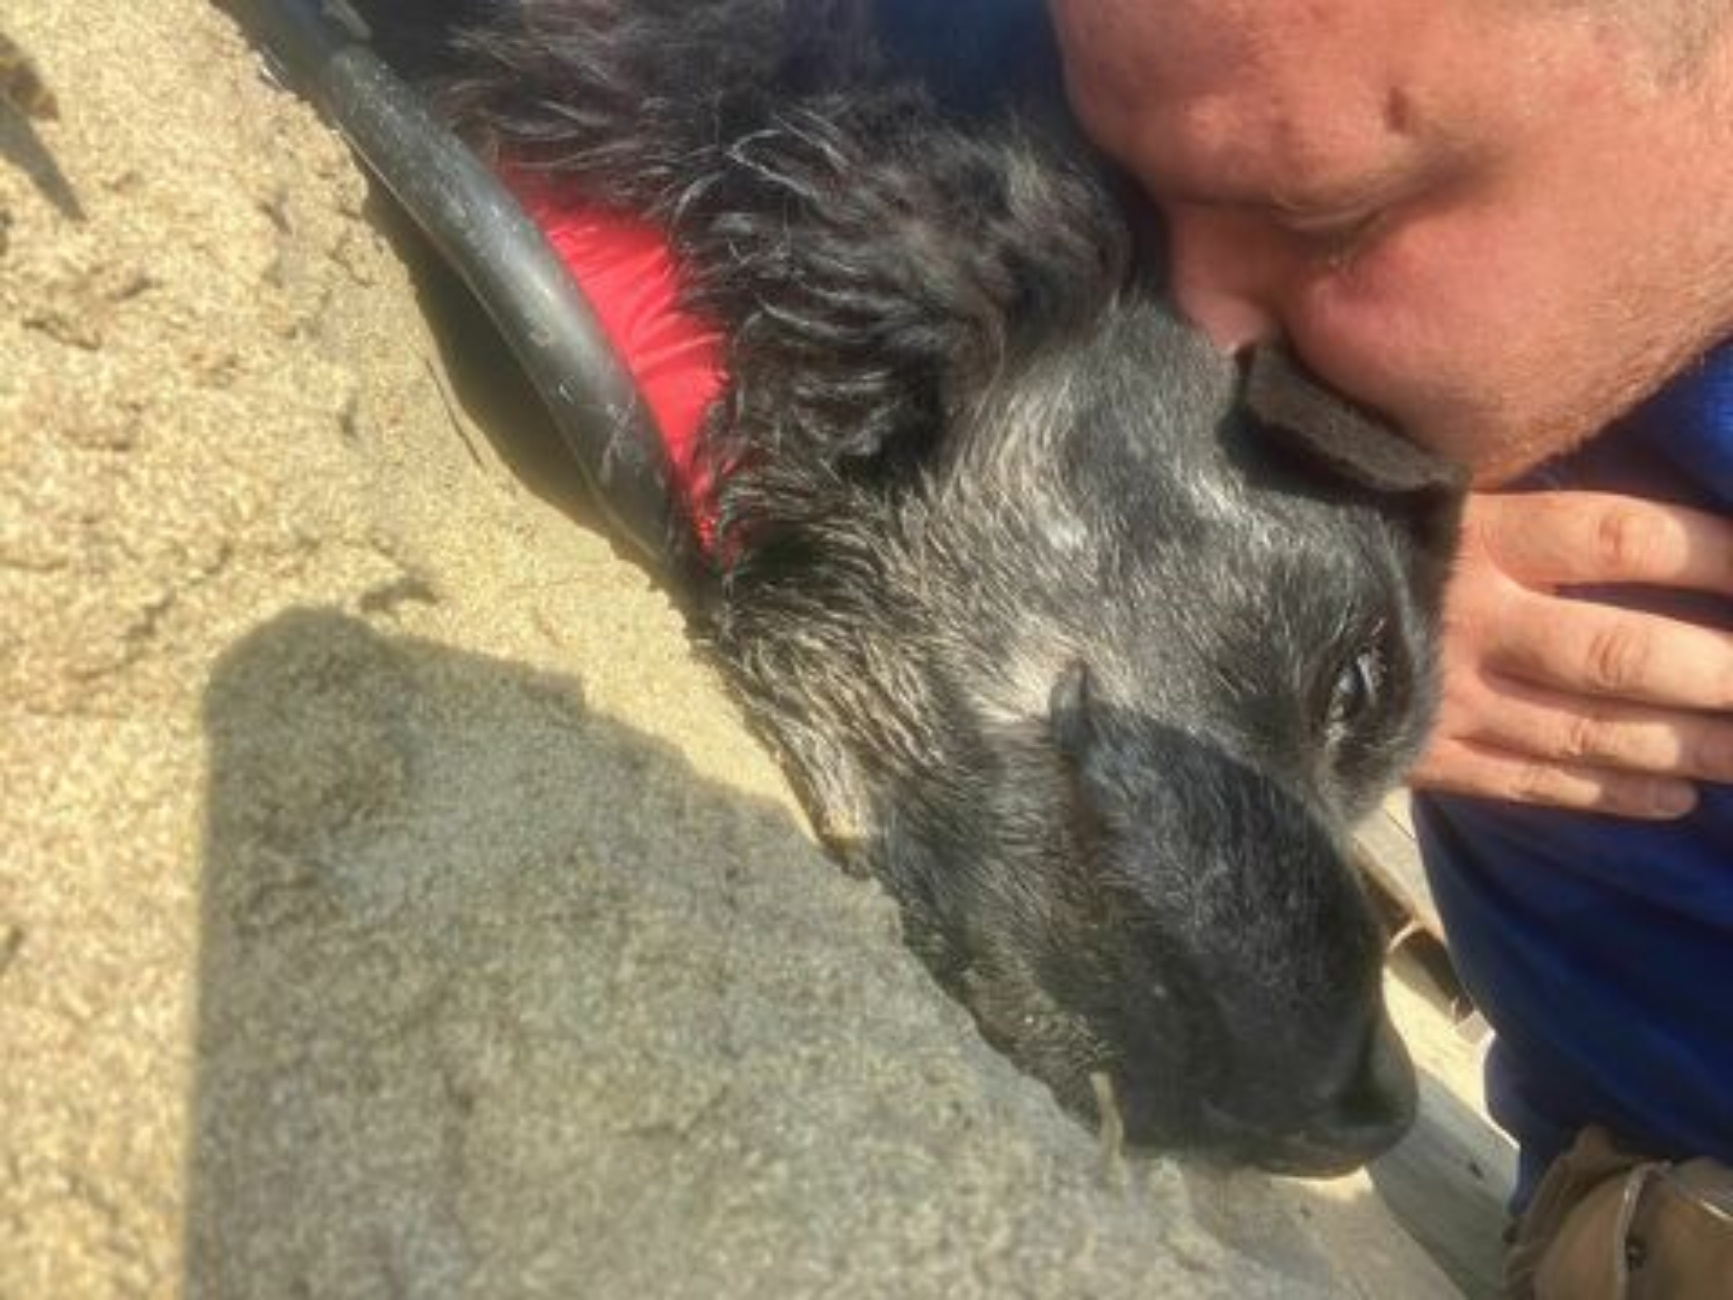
[1421,318]
[1375,343]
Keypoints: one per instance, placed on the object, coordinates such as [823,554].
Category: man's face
[1499,224]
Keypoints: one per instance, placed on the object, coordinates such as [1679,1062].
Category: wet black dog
[1086,641]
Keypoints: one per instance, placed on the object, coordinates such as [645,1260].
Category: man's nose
[1225,274]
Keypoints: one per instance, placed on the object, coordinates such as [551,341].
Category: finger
[1520,718]
[1581,647]
[1565,538]
[1465,767]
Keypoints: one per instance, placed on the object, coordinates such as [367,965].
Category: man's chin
[1498,449]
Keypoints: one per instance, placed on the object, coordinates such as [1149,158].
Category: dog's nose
[1371,1111]
[1329,1121]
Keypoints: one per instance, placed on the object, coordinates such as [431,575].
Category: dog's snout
[1330,1119]
[1369,1112]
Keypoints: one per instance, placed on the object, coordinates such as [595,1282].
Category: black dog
[1086,642]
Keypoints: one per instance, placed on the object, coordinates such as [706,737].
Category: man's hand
[1561,701]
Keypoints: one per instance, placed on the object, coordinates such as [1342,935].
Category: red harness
[626,270]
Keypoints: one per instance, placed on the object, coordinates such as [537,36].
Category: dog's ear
[1335,435]
[1329,435]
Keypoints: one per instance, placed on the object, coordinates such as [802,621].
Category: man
[1505,224]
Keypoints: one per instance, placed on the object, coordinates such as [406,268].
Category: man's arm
[1562,701]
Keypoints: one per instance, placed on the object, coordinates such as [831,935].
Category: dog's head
[1151,633]
[1192,610]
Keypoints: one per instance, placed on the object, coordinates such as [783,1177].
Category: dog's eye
[1358,688]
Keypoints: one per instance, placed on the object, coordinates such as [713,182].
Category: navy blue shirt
[1601,949]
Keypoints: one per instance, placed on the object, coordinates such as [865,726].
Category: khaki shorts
[1611,1224]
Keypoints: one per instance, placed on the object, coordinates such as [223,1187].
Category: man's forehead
[1241,91]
